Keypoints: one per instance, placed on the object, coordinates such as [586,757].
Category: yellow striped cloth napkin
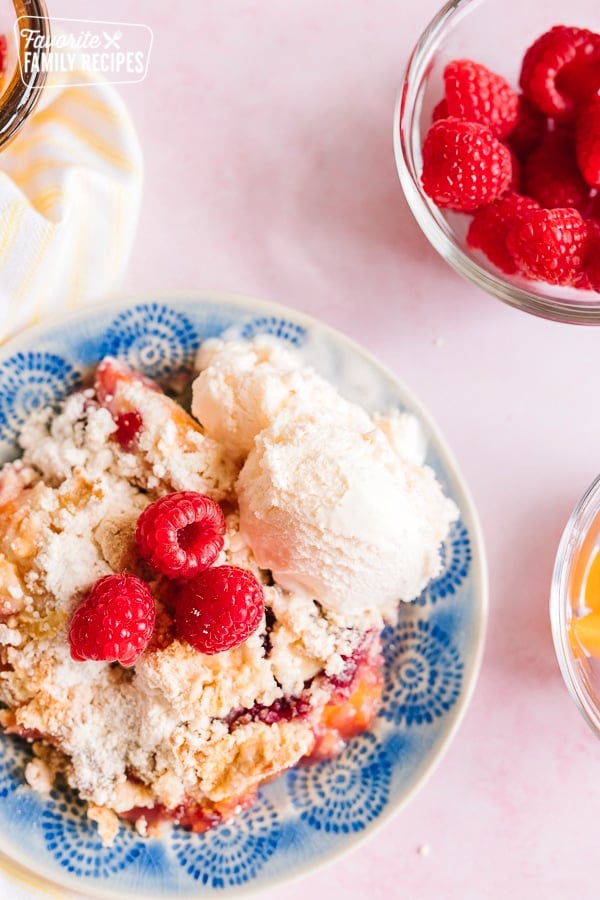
[70,191]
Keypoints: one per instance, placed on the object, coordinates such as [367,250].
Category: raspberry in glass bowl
[497,145]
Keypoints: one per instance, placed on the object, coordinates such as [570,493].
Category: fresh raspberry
[114,622]
[593,210]
[581,79]
[219,609]
[464,165]
[440,110]
[587,141]
[476,94]
[528,130]
[591,262]
[582,282]
[551,174]
[516,172]
[3,52]
[549,244]
[560,69]
[181,533]
[491,224]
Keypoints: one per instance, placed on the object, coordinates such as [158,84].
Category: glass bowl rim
[22,95]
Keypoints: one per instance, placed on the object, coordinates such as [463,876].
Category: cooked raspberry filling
[351,709]
[129,425]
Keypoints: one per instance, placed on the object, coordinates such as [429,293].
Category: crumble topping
[182,727]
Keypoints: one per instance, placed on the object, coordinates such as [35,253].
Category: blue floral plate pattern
[432,655]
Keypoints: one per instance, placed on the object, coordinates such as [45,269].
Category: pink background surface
[267,132]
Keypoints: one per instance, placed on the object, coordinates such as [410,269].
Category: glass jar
[20,93]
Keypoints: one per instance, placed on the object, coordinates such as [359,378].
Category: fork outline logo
[110,42]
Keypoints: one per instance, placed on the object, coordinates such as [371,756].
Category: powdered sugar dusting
[181,727]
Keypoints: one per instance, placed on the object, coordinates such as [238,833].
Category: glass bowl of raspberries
[497,144]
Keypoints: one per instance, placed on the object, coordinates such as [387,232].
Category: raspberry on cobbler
[114,622]
[219,609]
[181,533]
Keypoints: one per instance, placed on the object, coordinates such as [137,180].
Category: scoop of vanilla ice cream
[405,435]
[244,385]
[336,503]
[332,510]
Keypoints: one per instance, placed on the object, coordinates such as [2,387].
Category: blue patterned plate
[432,656]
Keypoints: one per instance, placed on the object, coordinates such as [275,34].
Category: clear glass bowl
[575,593]
[495,33]
[19,96]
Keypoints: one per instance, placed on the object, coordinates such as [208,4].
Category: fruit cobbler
[191,602]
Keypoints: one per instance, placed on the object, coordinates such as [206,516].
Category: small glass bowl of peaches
[575,605]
